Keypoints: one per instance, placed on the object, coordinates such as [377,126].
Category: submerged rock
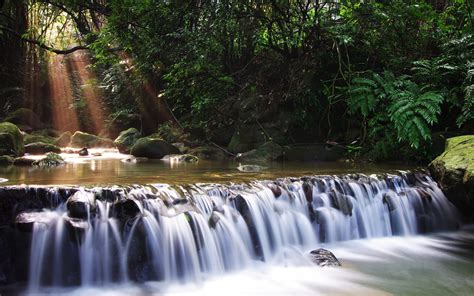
[81,139]
[188,158]
[248,168]
[127,139]
[133,159]
[11,140]
[41,148]
[153,148]
[323,257]
[454,171]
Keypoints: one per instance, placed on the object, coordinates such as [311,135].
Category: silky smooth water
[190,234]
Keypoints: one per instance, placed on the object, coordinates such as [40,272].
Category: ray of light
[63,113]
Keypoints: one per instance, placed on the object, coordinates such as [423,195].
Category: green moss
[11,139]
[35,138]
[127,139]
[41,148]
[459,154]
[51,160]
[81,139]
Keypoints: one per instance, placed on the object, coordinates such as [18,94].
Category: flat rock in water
[323,257]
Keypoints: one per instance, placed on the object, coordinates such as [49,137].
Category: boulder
[23,161]
[35,138]
[11,140]
[454,171]
[51,160]
[64,139]
[83,152]
[81,204]
[184,158]
[153,148]
[267,152]
[6,160]
[208,153]
[81,139]
[41,148]
[25,117]
[323,257]
[127,139]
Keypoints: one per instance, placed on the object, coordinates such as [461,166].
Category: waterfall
[169,233]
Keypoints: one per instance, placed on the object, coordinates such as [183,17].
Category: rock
[23,161]
[35,138]
[81,139]
[51,160]
[267,152]
[96,154]
[208,153]
[188,158]
[213,220]
[250,168]
[41,148]
[133,159]
[26,117]
[26,221]
[64,139]
[127,139]
[11,140]
[314,152]
[323,257]
[83,152]
[152,148]
[6,160]
[81,204]
[454,171]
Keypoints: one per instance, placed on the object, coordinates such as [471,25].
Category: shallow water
[108,169]
[440,264]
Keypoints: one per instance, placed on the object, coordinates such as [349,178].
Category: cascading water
[165,233]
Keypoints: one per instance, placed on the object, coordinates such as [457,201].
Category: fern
[412,115]
[467,110]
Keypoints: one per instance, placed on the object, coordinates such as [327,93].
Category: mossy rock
[41,148]
[51,160]
[267,152]
[25,116]
[153,148]
[23,161]
[454,171]
[6,160]
[81,139]
[248,137]
[182,158]
[35,138]
[11,140]
[64,139]
[127,139]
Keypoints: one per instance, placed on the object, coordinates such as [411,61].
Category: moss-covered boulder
[41,148]
[81,139]
[267,152]
[11,139]
[25,117]
[64,139]
[6,160]
[454,171]
[35,138]
[127,139]
[153,148]
[50,160]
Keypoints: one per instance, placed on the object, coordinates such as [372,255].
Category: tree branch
[41,44]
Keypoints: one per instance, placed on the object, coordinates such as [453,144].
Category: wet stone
[324,258]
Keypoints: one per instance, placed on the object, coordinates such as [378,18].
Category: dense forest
[386,80]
